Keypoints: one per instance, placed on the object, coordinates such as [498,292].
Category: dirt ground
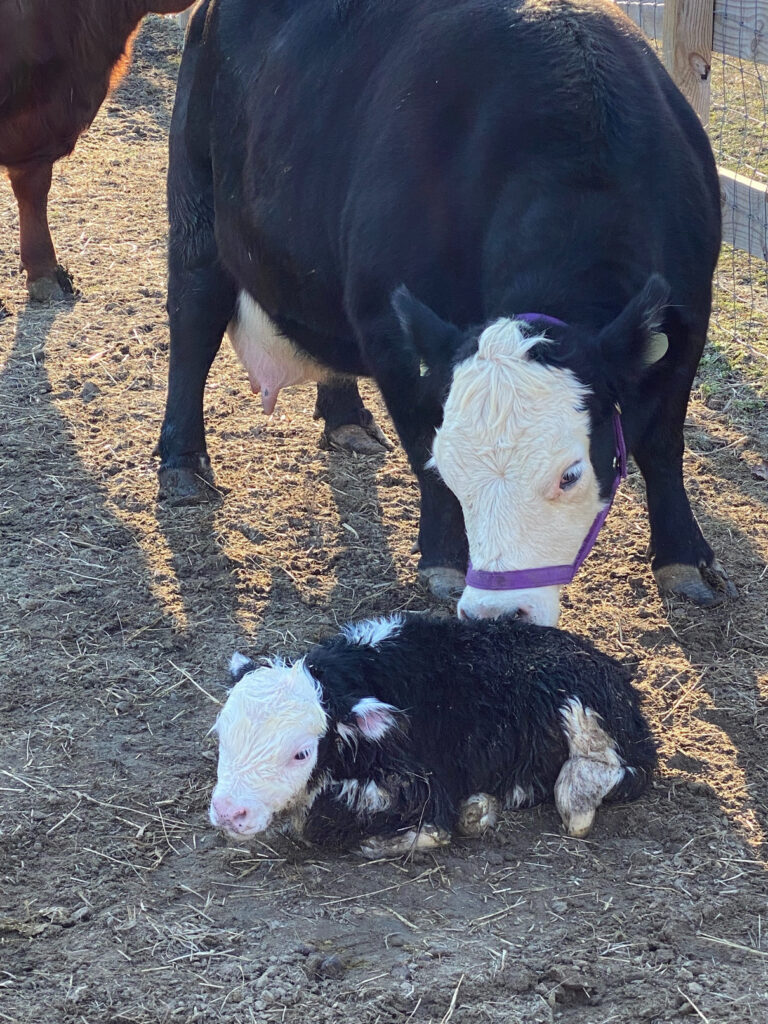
[118,902]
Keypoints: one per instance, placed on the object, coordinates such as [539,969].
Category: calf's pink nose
[229,812]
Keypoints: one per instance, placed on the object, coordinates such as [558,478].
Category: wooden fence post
[687,42]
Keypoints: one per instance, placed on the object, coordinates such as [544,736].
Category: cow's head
[270,732]
[527,443]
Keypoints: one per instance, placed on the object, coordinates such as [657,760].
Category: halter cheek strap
[557,575]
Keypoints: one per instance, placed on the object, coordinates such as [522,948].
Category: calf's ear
[239,666]
[434,340]
[373,718]
[634,341]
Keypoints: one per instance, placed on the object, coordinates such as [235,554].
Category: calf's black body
[479,711]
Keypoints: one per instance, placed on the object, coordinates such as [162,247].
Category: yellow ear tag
[656,348]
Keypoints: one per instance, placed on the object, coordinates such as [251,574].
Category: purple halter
[556,575]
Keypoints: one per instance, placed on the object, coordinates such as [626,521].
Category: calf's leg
[590,773]
[413,840]
[31,184]
[477,813]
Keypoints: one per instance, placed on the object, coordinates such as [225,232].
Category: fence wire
[738,132]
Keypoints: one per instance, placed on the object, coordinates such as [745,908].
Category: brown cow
[57,63]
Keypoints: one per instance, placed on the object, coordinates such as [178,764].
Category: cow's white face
[268,732]
[514,449]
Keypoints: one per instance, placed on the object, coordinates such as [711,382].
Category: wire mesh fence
[733,77]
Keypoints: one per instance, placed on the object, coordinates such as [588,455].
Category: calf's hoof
[443,581]
[707,587]
[583,784]
[351,437]
[478,813]
[51,287]
[428,837]
[181,485]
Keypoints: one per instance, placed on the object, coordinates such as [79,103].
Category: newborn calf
[398,732]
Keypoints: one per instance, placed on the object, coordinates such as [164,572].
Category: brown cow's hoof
[48,289]
[350,437]
[690,583]
[180,485]
[444,582]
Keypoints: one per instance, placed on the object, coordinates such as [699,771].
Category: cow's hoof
[180,485]
[52,287]
[478,813]
[428,837]
[690,583]
[717,577]
[443,581]
[350,437]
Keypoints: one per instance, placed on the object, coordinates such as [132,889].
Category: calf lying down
[398,732]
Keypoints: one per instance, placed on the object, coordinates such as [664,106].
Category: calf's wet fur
[399,732]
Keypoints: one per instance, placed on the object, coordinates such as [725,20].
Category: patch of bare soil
[118,903]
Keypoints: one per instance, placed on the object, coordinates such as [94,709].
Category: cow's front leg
[348,425]
[45,278]
[416,410]
[683,563]
[201,294]
[201,300]
[442,541]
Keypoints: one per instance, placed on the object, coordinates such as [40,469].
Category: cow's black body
[481,707]
[493,156]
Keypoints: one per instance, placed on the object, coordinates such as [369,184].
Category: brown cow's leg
[45,278]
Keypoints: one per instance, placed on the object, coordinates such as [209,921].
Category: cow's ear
[374,718]
[434,340]
[634,340]
[239,666]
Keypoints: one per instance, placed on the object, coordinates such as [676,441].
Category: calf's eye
[571,476]
[302,755]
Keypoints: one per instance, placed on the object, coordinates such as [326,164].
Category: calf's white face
[268,733]
[514,449]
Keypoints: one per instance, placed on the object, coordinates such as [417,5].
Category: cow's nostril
[238,814]
[462,614]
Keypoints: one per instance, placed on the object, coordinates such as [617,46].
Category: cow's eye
[302,755]
[571,476]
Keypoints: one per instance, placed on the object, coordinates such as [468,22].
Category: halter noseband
[557,575]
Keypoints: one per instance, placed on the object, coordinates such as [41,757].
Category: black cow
[527,167]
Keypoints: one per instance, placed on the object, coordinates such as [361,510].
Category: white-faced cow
[501,210]
[398,732]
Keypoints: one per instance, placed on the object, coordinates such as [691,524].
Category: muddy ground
[118,903]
